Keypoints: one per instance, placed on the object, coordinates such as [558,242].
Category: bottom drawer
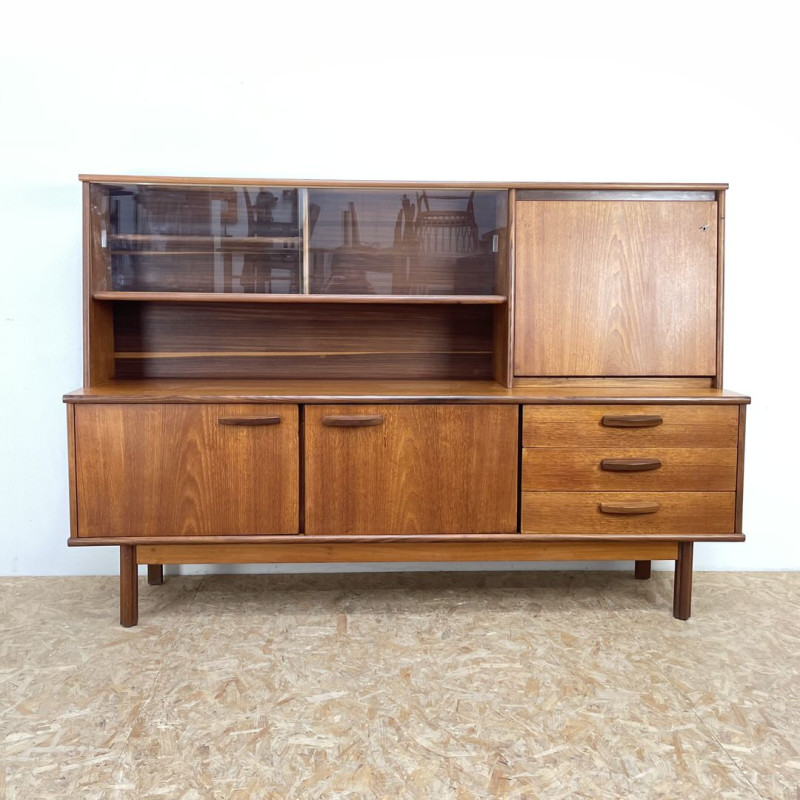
[628,512]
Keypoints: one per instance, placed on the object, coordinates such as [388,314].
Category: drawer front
[411,469]
[186,470]
[628,513]
[615,469]
[630,426]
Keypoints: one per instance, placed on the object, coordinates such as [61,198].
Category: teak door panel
[186,470]
[616,288]
[381,469]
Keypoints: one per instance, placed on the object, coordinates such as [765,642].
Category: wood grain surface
[581,426]
[443,468]
[579,512]
[616,288]
[297,550]
[174,470]
[683,469]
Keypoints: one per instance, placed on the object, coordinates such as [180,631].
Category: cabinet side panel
[720,286]
[616,288]
[740,470]
[73,492]
[98,320]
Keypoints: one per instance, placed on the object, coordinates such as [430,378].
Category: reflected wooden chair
[446,230]
[445,235]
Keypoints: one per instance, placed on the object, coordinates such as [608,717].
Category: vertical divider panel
[503,355]
[305,283]
[301,468]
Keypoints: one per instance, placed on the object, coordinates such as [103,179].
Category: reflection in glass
[365,241]
[201,239]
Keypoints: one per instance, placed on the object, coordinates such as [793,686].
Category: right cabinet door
[616,288]
[415,469]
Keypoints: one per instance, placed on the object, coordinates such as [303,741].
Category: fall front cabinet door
[616,288]
[411,469]
[186,470]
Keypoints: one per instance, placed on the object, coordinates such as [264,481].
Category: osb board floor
[466,685]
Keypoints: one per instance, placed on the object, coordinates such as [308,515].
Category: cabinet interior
[330,340]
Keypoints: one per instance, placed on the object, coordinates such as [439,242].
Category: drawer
[630,426]
[653,512]
[614,469]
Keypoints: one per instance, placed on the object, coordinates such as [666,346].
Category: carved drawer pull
[629,464]
[352,421]
[250,421]
[632,421]
[629,508]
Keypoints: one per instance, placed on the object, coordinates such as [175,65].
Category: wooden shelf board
[199,390]
[289,353]
[230,297]
[168,238]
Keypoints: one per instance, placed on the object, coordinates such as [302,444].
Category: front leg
[682,593]
[128,586]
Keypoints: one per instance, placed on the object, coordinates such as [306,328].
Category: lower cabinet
[186,469]
[225,470]
[411,469]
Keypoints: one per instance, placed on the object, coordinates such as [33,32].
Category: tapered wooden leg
[155,574]
[682,597]
[128,587]
[641,570]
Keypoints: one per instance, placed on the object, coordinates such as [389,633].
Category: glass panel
[390,241]
[199,239]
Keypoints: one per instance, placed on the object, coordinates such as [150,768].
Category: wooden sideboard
[298,372]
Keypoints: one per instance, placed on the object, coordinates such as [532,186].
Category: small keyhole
[704,227]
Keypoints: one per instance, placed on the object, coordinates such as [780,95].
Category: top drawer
[630,425]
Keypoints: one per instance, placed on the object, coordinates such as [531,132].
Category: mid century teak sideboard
[313,371]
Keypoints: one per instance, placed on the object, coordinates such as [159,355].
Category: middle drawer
[609,469]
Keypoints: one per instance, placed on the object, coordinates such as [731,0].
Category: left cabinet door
[186,470]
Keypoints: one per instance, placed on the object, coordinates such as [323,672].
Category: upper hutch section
[517,284]
[297,240]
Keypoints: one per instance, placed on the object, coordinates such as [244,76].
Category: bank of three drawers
[621,470]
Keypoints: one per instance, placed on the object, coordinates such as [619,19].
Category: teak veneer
[312,371]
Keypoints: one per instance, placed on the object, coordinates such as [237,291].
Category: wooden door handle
[629,508]
[632,421]
[352,420]
[250,421]
[629,464]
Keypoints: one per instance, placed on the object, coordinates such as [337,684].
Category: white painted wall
[503,91]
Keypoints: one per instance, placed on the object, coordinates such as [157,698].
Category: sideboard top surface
[385,391]
[369,184]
